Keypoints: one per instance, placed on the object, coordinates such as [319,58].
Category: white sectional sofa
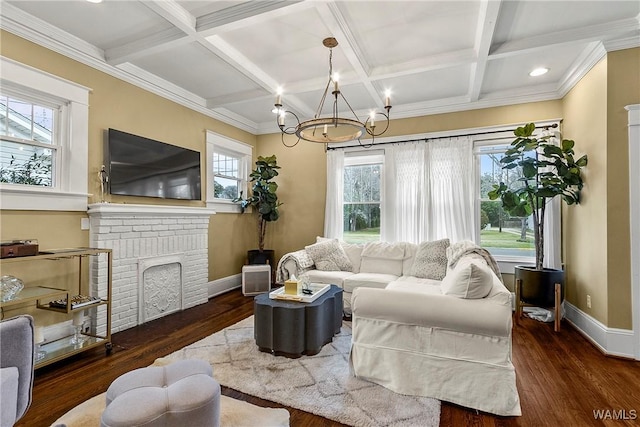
[427,321]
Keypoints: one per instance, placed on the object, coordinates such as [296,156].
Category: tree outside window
[501,234]
[361,201]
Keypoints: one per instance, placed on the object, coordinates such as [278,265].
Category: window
[504,236]
[362,198]
[227,171]
[41,118]
[28,142]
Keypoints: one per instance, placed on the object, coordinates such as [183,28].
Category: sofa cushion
[369,280]
[328,255]
[410,251]
[470,278]
[417,285]
[382,258]
[353,251]
[431,260]
[330,277]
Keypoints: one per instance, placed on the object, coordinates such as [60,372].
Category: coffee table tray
[317,288]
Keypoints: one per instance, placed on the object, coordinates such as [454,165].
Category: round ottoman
[183,393]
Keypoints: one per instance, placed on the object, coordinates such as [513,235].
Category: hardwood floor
[562,379]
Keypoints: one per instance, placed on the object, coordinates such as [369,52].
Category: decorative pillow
[353,251]
[328,255]
[431,260]
[470,278]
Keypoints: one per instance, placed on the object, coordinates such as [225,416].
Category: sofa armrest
[475,316]
[293,264]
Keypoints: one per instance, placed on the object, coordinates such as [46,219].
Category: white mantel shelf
[116,209]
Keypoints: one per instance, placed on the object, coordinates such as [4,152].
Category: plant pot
[538,286]
[256,256]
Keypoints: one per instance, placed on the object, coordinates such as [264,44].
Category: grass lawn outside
[362,236]
[502,243]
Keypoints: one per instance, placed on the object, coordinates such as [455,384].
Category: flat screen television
[139,166]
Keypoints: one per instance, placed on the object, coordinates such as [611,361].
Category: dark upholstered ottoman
[291,328]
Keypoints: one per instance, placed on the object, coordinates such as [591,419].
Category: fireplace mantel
[105,209]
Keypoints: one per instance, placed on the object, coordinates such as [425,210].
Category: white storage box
[256,279]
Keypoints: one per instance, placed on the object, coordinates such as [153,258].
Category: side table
[291,328]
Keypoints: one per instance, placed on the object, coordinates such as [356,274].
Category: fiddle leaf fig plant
[548,171]
[263,195]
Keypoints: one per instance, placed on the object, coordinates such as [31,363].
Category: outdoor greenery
[36,170]
[362,236]
[263,198]
[548,171]
[221,192]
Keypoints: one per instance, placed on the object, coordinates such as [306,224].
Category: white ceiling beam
[334,19]
[421,65]
[172,12]
[159,42]
[245,15]
[577,35]
[487,18]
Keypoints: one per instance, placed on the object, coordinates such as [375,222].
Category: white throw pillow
[470,278]
[328,255]
[431,260]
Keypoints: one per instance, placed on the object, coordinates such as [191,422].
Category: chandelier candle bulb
[373,118]
[281,119]
[278,100]
[325,130]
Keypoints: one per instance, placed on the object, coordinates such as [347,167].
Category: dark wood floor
[562,379]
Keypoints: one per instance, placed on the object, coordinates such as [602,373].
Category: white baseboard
[611,341]
[220,286]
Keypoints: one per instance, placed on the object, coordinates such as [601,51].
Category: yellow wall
[116,104]
[585,109]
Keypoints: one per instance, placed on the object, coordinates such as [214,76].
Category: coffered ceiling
[227,59]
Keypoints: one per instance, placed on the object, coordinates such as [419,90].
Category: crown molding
[590,56]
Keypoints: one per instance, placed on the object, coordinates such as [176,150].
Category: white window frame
[70,188]
[217,143]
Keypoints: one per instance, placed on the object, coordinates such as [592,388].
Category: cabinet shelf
[41,296]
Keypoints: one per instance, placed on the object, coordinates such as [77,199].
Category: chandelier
[331,129]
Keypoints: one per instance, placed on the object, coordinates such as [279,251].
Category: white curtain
[451,181]
[334,212]
[552,227]
[404,214]
[429,191]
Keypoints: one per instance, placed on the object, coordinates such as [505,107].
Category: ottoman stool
[183,393]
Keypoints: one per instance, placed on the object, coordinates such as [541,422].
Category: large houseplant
[548,171]
[264,200]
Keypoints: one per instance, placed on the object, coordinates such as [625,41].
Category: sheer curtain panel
[404,207]
[451,181]
[334,212]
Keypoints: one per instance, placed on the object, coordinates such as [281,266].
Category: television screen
[140,166]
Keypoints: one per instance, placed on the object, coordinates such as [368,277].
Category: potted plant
[548,171]
[265,202]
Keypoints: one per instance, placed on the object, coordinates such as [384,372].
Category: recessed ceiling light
[94,1]
[538,72]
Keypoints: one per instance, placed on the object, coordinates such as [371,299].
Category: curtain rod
[555,125]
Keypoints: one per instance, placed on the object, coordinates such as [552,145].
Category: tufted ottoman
[183,393]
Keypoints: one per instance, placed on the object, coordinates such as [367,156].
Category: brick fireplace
[160,259]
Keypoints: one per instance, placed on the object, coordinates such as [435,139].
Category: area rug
[320,384]
[233,413]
